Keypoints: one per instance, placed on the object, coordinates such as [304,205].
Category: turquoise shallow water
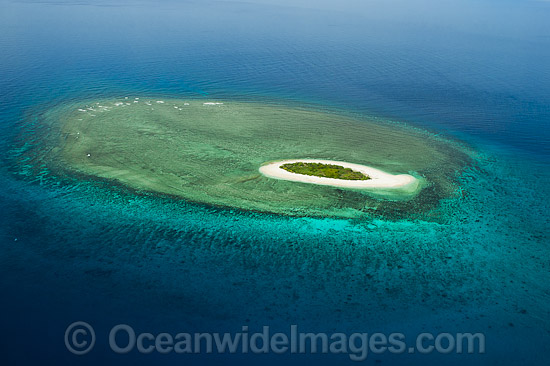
[88,250]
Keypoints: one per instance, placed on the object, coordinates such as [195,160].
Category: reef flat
[210,152]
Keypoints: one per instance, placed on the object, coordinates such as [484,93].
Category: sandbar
[378,178]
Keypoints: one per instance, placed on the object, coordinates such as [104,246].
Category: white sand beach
[379,178]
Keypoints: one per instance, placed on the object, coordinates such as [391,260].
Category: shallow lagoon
[210,152]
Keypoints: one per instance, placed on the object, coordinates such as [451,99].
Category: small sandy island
[378,178]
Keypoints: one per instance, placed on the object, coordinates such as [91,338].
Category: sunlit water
[78,248]
[211,152]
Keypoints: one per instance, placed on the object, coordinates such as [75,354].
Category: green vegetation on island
[324,171]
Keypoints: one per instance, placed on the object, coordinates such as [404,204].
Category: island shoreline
[378,178]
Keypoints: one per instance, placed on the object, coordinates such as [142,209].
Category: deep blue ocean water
[476,71]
